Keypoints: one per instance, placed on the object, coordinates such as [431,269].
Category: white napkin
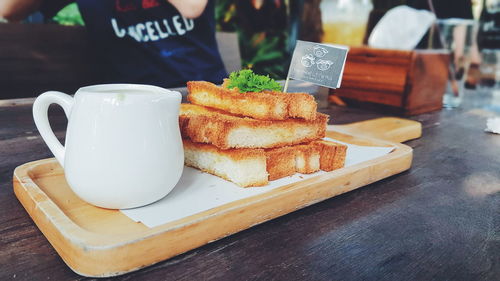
[197,191]
[493,125]
[401,28]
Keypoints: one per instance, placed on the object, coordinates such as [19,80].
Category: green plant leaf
[247,81]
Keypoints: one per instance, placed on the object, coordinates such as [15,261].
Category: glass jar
[344,21]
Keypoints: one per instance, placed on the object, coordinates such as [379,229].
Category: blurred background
[268,29]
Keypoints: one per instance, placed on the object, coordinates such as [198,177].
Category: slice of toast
[255,167]
[332,155]
[225,130]
[245,167]
[307,158]
[288,160]
[267,105]
[280,162]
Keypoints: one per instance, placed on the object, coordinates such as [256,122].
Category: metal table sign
[320,64]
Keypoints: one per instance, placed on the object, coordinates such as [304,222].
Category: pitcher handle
[40,115]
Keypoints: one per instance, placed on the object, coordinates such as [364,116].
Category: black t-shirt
[149,42]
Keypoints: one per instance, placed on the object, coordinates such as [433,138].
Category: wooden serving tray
[99,242]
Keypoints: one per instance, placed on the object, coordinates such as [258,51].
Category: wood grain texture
[376,75]
[99,243]
[407,82]
[426,82]
[437,221]
[385,128]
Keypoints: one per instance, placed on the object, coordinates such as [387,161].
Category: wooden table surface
[438,221]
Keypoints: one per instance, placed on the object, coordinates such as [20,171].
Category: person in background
[158,42]
[445,8]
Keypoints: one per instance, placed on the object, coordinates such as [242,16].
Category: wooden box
[399,82]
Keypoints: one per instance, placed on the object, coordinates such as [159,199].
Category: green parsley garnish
[247,81]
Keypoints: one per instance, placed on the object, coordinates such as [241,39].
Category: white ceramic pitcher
[123,145]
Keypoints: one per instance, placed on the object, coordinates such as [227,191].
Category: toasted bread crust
[307,158]
[332,155]
[280,162]
[267,105]
[302,105]
[299,105]
[236,155]
[224,130]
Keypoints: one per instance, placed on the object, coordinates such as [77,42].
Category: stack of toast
[252,138]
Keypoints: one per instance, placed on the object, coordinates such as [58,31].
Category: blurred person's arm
[189,8]
[17,10]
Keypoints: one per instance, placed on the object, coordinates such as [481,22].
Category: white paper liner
[198,191]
